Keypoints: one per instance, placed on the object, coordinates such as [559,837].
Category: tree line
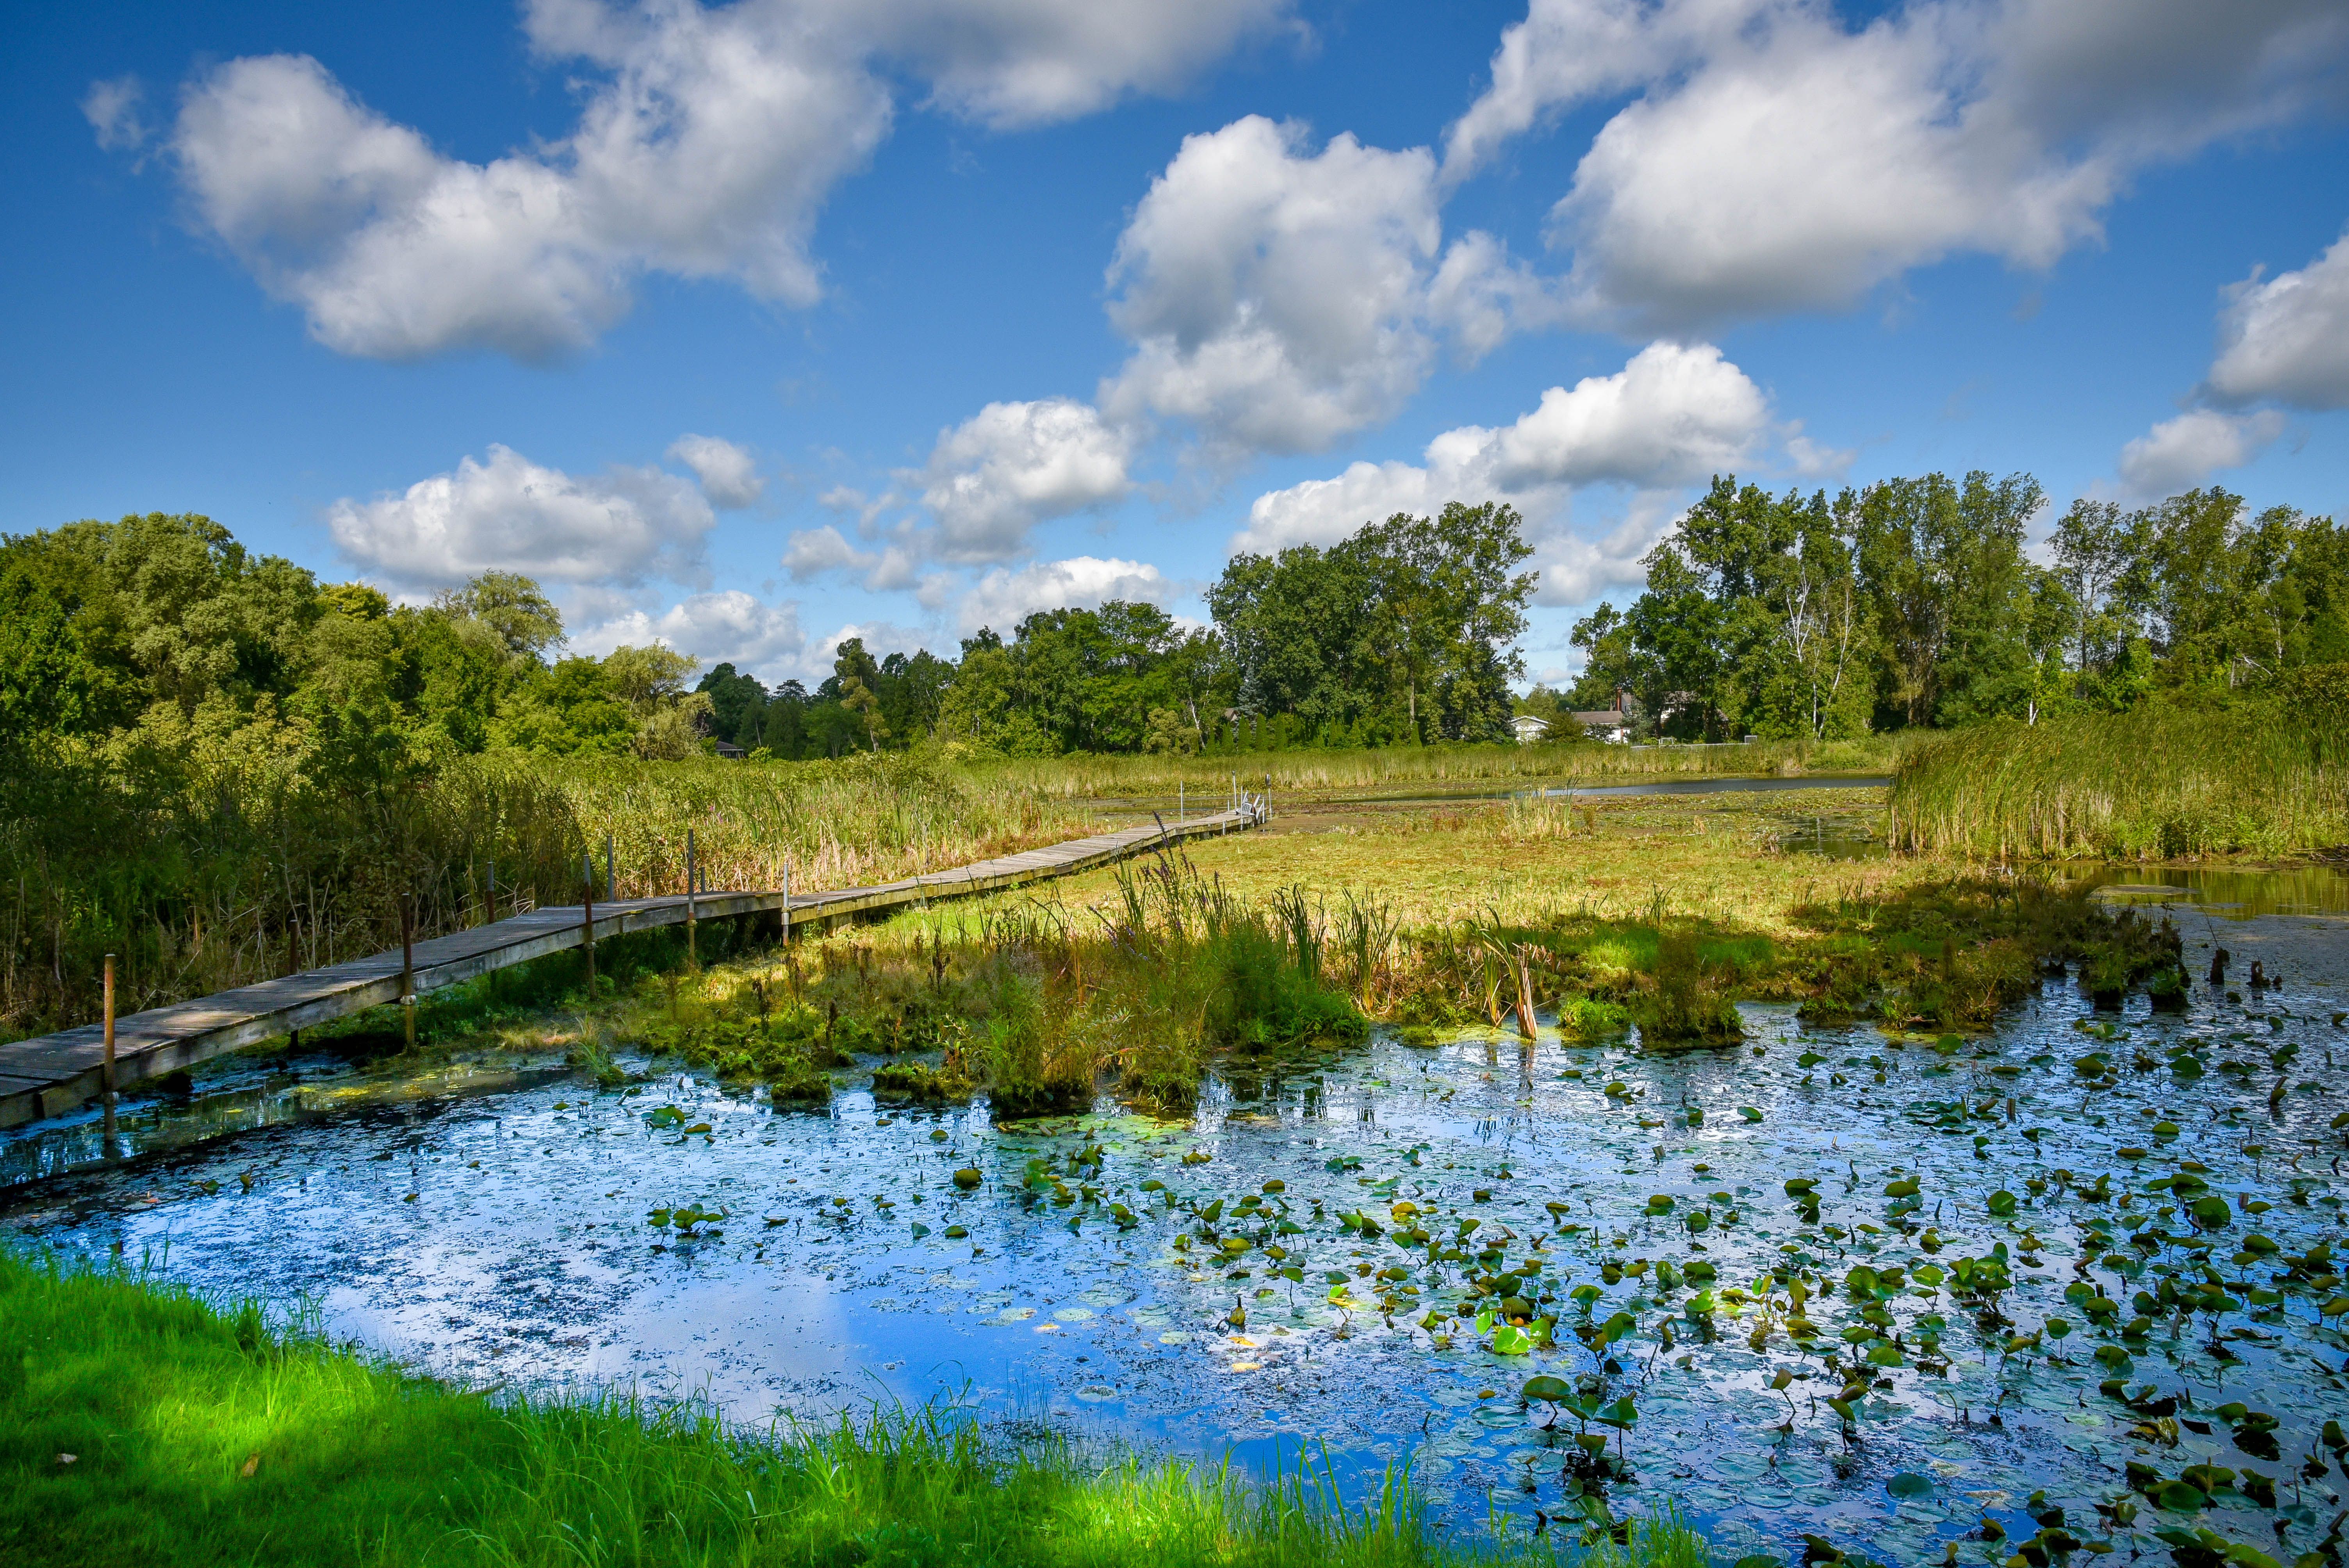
[1915,601]
[1904,604]
[1404,633]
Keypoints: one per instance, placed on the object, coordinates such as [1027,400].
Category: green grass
[200,1438]
[2159,783]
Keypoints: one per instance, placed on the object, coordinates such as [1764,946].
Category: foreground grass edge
[198,1435]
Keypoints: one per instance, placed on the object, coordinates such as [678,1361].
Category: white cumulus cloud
[1004,595]
[2287,339]
[1775,157]
[111,106]
[1013,465]
[620,527]
[2182,453]
[729,474]
[726,627]
[1674,414]
[708,141]
[1275,295]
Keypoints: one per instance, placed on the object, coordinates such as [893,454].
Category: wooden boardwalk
[53,1074]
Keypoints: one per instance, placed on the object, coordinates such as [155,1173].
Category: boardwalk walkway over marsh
[53,1074]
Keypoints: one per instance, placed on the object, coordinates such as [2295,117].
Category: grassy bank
[1208,779]
[2269,779]
[198,1437]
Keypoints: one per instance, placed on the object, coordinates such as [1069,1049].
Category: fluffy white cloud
[727,628]
[729,474]
[512,514]
[1275,295]
[1776,158]
[2181,453]
[707,143]
[2288,338]
[1023,62]
[1013,465]
[391,251]
[1003,596]
[812,551]
[111,107]
[1673,414]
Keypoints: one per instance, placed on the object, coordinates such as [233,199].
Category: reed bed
[247,867]
[2155,784]
[1209,778]
[844,823]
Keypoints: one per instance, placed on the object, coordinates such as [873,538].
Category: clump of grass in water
[200,1439]
[1685,1002]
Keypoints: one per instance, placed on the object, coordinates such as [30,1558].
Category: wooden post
[108,1130]
[407,968]
[588,910]
[787,901]
[492,977]
[692,951]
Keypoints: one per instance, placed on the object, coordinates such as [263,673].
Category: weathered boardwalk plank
[53,1074]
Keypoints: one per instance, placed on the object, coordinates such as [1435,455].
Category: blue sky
[749,326]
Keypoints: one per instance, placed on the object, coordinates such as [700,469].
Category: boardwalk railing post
[692,951]
[407,968]
[587,910]
[110,1147]
[787,901]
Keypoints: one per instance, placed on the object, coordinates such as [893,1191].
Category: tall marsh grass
[244,868]
[2155,784]
[862,819]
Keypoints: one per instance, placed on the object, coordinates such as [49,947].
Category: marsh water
[508,1222]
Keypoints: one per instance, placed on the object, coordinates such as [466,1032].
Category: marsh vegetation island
[1497,1142]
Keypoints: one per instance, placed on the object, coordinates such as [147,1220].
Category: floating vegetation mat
[2072,1284]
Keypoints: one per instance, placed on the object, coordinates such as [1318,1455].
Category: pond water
[1661,785]
[1716,786]
[494,1221]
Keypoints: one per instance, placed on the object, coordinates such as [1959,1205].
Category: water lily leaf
[967,1178]
[1908,1484]
[1751,1113]
[2002,1202]
[2176,1497]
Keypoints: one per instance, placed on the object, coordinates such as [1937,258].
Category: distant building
[728,750]
[1529,729]
[1607,724]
